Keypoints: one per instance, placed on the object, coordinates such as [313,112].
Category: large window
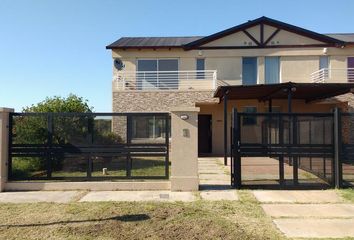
[272,70]
[157,73]
[200,66]
[249,70]
[148,127]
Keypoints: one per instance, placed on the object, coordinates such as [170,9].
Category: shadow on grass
[123,218]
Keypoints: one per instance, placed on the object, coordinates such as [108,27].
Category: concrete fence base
[90,186]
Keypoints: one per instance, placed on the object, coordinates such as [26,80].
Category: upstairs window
[324,62]
[249,70]
[200,67]
[272,70]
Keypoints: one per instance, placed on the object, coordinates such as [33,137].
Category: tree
[33,129]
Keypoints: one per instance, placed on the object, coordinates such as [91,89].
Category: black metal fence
[89,146]
[306,148]
[346,149]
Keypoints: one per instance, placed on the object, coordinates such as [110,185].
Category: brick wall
[154,101]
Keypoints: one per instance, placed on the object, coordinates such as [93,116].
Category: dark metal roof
[305,91]
[151,42]
[346,37]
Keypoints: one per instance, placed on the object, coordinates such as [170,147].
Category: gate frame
[236,151]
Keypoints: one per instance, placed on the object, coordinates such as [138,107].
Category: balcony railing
[333,75]
[166,80]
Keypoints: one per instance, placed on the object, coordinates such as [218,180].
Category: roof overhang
[304,91]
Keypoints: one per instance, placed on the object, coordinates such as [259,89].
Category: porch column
[4,145]
[184,149]
[270,107]
[289,100]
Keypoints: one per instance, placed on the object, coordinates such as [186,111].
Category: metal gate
[88,146]
[296,144]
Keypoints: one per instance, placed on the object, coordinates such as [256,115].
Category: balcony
[166,80]
[333,75]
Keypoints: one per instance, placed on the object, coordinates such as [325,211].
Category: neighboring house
[158,73]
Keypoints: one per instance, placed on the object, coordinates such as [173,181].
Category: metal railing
[166,80]
[333,75]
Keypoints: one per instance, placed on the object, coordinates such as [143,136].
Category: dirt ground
[242,219]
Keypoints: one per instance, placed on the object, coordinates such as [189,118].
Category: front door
[204,133]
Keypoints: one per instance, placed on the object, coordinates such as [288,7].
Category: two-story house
[157,73]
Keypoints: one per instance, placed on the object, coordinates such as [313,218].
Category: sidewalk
[214,180]
[308,214]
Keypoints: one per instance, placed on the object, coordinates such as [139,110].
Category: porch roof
[306,91]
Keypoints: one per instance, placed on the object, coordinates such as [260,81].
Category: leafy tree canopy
[72,103]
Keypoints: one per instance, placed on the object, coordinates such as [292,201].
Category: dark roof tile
[136,42]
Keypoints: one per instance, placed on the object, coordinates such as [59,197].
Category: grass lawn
[347,194]
[242,219]
[71,167]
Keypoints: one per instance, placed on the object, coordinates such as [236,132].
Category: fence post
[237,152]
[184,149]
[337,163]
[129,162]
[232,147]
[281,157]
[4,145]
[295,159]
[49,157]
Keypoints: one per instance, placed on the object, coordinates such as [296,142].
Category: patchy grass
[136,220]
[347,194]
[141,166]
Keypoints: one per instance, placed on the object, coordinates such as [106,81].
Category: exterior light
[293,89]
[325,51]
[184,117]
[200,53]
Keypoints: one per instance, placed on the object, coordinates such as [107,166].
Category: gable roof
[271,22]
[195,42]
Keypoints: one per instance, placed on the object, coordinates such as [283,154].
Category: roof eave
[141,47]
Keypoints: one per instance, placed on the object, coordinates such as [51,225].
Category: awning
[306,91]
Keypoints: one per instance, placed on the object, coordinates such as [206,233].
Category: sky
[54,48]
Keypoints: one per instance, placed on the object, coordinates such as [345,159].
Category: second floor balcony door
[350,66]
[272,70]
[157,73]
[249,71]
